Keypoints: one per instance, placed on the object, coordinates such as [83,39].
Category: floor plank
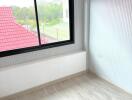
[84,87]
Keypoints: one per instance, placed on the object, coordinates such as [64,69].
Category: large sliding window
[28,25]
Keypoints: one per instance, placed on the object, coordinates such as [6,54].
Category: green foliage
[24,13]
[49,14]
[53,22]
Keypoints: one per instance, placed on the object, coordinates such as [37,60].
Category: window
[28,25]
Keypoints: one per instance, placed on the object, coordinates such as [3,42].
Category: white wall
[87,29]
[111,41]
[25,76]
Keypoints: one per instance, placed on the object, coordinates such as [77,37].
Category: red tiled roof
[14,35]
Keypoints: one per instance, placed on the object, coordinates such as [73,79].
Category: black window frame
[49,45]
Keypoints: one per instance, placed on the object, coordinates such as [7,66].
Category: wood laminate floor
[84,87]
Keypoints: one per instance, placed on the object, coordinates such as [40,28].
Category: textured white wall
[111,41]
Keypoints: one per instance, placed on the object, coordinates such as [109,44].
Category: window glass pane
[17,24]
[53,20]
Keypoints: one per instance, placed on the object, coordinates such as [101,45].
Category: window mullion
[37,21]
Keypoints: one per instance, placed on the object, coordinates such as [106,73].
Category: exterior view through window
[28,24]
[53,19]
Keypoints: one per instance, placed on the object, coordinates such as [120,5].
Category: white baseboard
[42,86]
[25,76]
[110,81]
